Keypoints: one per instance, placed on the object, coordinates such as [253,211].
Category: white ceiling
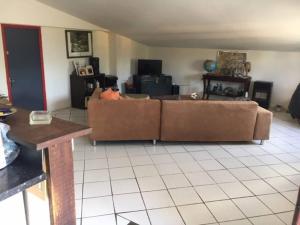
[226,24]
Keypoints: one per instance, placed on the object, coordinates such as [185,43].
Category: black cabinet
[82,87]
[294,106]
[153,85]
[262,91]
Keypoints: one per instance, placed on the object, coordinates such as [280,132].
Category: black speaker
[262,91]
[94,62]
[175,89]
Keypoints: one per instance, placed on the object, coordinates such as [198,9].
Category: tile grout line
[110,183]
[262,179]
[167,189]
[140,191]
[82,188]
[156,164]
[193,187]
[257,196]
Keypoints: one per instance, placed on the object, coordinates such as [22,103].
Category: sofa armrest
[263,124]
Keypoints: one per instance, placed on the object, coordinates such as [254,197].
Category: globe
[210,65]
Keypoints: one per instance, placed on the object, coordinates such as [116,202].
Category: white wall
[127,53]
[35,13]
[122,51]
[101,49]
[118,56]
[115,51]
[53,23]
[186,67]
[58,67]
[184,64]
[283,68]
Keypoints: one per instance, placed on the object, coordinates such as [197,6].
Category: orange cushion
[109,94]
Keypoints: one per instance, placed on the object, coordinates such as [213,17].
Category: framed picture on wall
[82,71]
[89,70]
[79,43]
[231,63]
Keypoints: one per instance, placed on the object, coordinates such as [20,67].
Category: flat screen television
[149,67]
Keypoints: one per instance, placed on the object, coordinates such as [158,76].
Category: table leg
[25,202]
[60,183]
[247,85]
[207,89]
[204,88]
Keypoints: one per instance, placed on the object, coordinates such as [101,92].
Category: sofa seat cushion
[136,96]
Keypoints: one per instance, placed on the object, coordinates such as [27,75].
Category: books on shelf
[40,117]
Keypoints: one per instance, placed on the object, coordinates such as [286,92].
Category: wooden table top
[42,136]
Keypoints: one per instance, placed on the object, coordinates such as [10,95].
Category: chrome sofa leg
[154,142]
[72,142]
[94,142]
[262,142]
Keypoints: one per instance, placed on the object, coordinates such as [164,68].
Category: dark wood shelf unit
[207,78]
[80,90]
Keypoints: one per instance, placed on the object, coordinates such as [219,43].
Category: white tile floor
[187,183]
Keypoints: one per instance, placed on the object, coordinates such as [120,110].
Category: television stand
[153,85]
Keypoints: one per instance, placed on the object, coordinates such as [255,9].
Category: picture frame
[230,63]
[82,71]
[79,44]
[89,70]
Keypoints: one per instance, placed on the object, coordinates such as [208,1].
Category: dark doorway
[24,66]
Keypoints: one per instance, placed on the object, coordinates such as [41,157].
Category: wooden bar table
[55,142]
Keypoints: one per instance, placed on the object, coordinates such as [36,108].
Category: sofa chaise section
[187,120]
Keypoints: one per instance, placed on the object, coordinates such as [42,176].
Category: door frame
[3,27]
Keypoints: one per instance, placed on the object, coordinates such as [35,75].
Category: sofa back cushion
[124,119]
[188,120]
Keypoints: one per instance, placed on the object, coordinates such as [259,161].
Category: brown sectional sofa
[177,120]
